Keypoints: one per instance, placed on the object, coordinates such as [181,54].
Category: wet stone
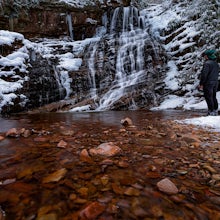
[8,181]
[62,144]
[209,168]
[13,132]
[92,211]
[216,177]
[123,164]
[56,176]
[72,196]
[85,157]
[105,149]
[167,186]
[50,216]
[26,133]
[132,192]
[127,122]
[83,192]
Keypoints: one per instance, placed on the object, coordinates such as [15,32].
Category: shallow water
[108,118]
[124,186]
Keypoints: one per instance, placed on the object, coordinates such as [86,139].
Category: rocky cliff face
[52,18]
[38,80]
[102,64]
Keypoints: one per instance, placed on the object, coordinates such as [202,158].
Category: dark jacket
[210,72]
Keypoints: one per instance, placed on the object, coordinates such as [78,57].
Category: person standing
[209,81]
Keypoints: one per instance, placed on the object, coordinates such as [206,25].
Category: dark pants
[210,90]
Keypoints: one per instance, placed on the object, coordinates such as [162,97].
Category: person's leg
[215,101]
[208,94]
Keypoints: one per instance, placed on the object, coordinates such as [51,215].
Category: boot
[216,112]
[213,113]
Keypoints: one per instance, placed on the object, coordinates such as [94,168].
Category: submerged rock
[167,186]
[126,122]
[13,132]
[56,176]
[92,211]
[105,149]
[62,144]
[84,156]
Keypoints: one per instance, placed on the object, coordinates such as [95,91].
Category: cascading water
[129,62]
[91,66]
[70,25]
[130,55]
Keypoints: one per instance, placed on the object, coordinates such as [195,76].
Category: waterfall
[70,25]
[11,23]
[92,71]
[130,18]
[63,81]
[130,68]
[122,64]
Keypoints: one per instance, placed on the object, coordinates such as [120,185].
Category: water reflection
[83,119]
[6,124]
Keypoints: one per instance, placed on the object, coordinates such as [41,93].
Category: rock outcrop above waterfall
[46,18]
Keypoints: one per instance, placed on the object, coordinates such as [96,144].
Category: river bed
[45,175]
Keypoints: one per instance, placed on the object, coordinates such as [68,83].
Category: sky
[18,60]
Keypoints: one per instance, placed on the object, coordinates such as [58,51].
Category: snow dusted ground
[207,122]
[159,17]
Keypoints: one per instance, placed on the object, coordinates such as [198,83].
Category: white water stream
[128,33]
[91,65]
[70,25]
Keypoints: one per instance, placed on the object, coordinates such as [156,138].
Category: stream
[45,175]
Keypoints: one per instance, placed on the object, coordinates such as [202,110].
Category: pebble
[209,168]
[13,132]
[92,211]
[130,191]
[126,122]
[62,144]
[167,186]
[84,156]
[56,176]
[216,177]
[105,149]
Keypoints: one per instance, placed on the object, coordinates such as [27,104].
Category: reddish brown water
[124,187]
